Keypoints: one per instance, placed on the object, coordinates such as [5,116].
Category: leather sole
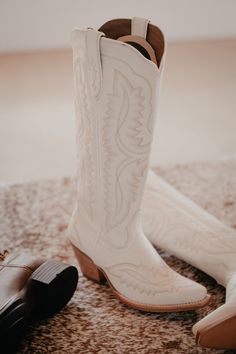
[48,290]
[93,272]
[219,336]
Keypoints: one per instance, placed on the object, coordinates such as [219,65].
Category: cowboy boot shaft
[116,97]
[176,224]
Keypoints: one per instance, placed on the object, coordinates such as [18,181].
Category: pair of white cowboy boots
[117,73]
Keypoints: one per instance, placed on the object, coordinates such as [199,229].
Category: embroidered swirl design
[126,145]
[84,137]
[165,218]
[149,280]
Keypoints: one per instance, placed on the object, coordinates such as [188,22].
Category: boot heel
[88,267]
[46,273]
[50,288]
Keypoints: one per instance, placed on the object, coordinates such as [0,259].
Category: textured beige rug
[34,216]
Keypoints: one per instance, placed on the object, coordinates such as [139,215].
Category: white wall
[42,24]
[196,119]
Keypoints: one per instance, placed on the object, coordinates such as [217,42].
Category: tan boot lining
[122,27]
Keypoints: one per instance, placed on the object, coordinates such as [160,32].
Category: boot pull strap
[94,59]
[139,26]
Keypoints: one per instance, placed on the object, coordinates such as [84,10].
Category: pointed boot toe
[191,293]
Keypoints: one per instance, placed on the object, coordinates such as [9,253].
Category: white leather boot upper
[176,224]
[116,94]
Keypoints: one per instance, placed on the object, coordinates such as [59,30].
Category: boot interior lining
[122,27]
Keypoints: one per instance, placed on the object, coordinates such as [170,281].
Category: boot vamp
[138,272]
[15,270]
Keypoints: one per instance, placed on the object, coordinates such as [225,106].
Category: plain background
[196,119]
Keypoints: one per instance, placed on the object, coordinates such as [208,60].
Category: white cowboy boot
[116,91]
[176,224]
